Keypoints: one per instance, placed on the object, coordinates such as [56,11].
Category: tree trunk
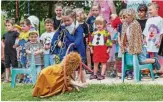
[50,3]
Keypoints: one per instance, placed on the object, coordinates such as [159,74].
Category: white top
[47,38]
[153,30]
[98,40]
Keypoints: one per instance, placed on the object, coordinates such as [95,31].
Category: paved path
[107,80]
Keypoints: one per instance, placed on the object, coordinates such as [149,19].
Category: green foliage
[41,9]
[3,30]
[118,5]
[115,92]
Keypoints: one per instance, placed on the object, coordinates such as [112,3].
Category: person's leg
[83,74]
[103,69]
[102,76]
[95,70]
[46,60]
[7,67]
[88,54]
[38,69]
[52,61]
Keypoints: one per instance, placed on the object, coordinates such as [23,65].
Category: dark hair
[142,7]
[27,22]
[10,21]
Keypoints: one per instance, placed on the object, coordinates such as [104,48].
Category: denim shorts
[142,56]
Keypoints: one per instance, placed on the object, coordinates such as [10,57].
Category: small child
[153,31]
[34,46]
[58,17]
[23,38]
[10,51]
[101,44]
[46,38]
[95,10]
[132,41]
[153,45]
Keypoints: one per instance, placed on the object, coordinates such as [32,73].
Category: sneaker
[93,77]
[129,77]
[21,80]
[100,77]
[156,76]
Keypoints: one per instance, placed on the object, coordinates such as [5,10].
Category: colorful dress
[50,82]
[100,42]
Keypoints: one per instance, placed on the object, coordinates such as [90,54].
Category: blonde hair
[83,15]
[154,4]
[72,62]
[131,12]
[67,11]
[100,20]
[49,20]
[122,13]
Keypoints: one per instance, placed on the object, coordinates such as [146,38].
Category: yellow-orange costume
[51,80]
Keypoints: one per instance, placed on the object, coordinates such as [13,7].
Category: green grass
[118,92]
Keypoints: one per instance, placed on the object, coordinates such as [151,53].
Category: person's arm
[27,48]
[40,50]
[2,51]
[55,38]
[78,85]
[119,39]
[79,35]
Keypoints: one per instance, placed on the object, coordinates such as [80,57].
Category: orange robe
[51,82]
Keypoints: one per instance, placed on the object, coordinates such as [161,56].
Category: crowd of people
[98,38]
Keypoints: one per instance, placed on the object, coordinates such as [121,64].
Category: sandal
[6,81]
[101,77]
[93,77]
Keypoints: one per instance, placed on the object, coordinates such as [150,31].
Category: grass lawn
[118,92]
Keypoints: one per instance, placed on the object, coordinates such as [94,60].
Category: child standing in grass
[101,44]
[10,51]
[46,39]
[34,46]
